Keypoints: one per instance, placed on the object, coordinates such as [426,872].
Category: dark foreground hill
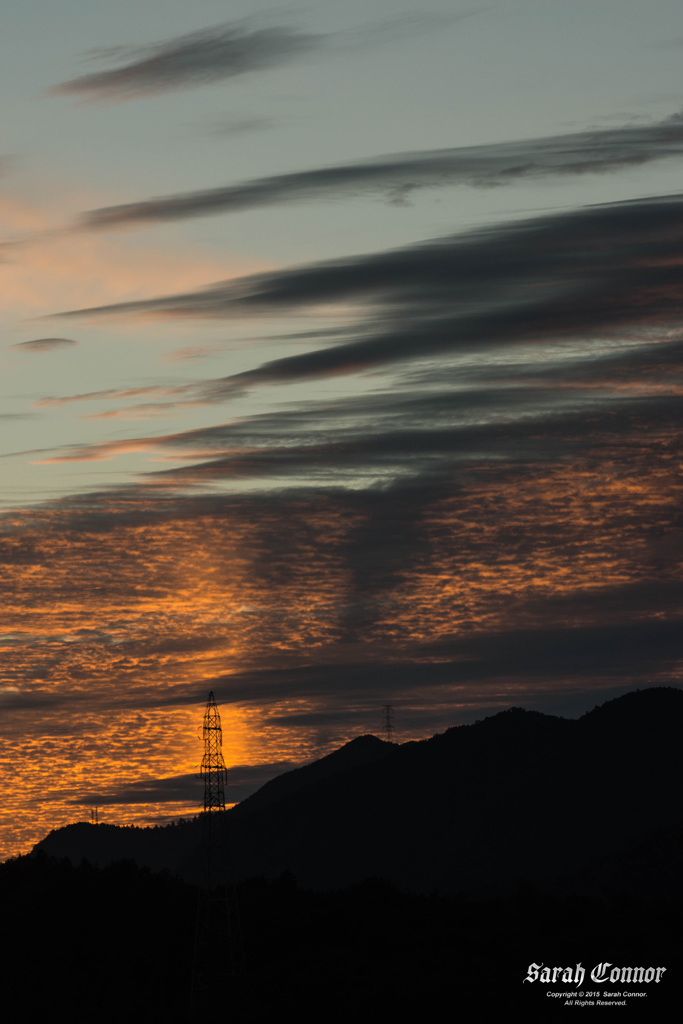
[518,798]
[116,945]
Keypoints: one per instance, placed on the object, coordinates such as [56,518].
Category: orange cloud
[113,622]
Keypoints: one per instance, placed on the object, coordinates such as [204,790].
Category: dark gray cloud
[538,410]
[243,780]
[599,270]
[199,58]
[555,647]
[498,515]
[506,427]
[395,177]
[537,403]
[520,355]
[541,654]
[44,344]
[230,50]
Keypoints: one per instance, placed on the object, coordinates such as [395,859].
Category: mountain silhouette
[517,798]
[363,750]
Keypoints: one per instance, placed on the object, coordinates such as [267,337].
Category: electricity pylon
[218,947]
[389,723]
[215,775]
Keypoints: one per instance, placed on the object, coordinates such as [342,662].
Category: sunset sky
[341,367]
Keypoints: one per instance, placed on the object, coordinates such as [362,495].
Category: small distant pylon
[94,819]
[218,951]
[389,723]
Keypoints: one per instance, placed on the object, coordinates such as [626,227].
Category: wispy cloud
[44,344]
[243,780]
[112,394]
[396,176]
[230,50]
[199,58]
[600,270]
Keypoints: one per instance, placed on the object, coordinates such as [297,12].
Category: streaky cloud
[44,344]
[600,270]
[536,434]
[199,58]
[233,49]
[396,176]
[108,394]
[534,653]
[244,780]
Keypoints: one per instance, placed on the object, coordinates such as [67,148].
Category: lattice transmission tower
[218,951]
[215,775]
[389,723]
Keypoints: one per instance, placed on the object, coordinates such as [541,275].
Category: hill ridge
[518,797]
